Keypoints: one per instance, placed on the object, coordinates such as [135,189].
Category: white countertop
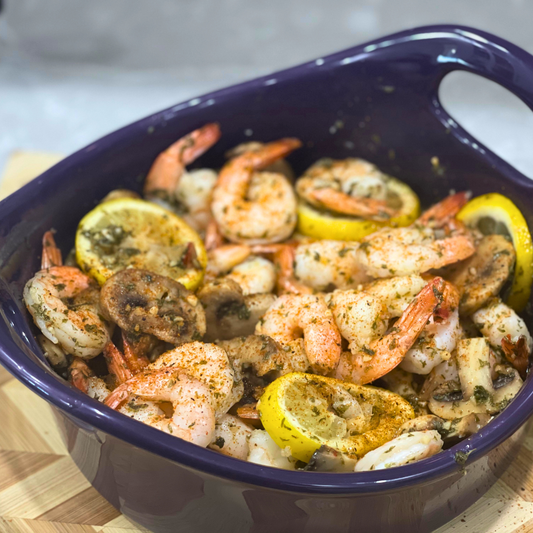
[72,71]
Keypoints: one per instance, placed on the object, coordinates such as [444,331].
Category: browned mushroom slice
[260,352]
[327,459]
[482,275]
[422,423]
[228,312]
[140,301]
[479,394]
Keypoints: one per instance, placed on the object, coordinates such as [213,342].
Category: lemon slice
[304,411]
[325,225]
[494,213]
[128,232]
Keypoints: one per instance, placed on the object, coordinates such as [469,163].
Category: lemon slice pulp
[304,411]
[324,225]
[129,232]
[494,213]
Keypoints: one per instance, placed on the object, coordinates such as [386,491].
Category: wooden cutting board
[42,491]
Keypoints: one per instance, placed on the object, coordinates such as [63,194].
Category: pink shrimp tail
[167,169]
[51,253]
[116,363]
[439,214]
[213,237]
[517,353]
[356,206]
[79,373]
[135,361]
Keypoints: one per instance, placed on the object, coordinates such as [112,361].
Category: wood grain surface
[42,491]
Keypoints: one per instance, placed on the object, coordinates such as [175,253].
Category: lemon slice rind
[153,224]
[501,209]
[280,417]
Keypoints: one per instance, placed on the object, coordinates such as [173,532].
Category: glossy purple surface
[378,101]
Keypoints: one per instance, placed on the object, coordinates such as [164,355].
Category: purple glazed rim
[93,414]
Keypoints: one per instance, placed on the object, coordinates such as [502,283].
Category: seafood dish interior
[323,322]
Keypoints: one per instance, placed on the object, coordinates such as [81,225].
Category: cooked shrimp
[283,256]
[292,317]
[255,207]
[416,249]
[279,167]
[53,352]
[83,378]
[264,451]
[135,351]
[482,275]
[193,197]
[208,364]
[405,449]
[349,186]
[140,301]
[327,265]
[116,364]
[396,293]
[51,253]
[256,275]
[213,238]
[169,166]
[79,374]
[439,337]
[231,437]
[223,258]
[194,415]
[78,330]
[363,321]
[504,329]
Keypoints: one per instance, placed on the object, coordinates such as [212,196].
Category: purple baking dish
[378,101]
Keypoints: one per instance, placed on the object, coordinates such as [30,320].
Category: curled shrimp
[78,328]
[194,415]
[255,207]
[405,449]
[283,256]
[439,337]
[304,327]
[208,364]
[169,166]
[417,248]
[350,186]
[505,330]
[362,320]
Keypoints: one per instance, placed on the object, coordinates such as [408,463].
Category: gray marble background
[73,70]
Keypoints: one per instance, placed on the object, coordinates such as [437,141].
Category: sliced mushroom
[422,423]
[482,275]
[327,459]
[460,428]
[228,312]
[401,382]
[478,392]
[260,352]
[140,301]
